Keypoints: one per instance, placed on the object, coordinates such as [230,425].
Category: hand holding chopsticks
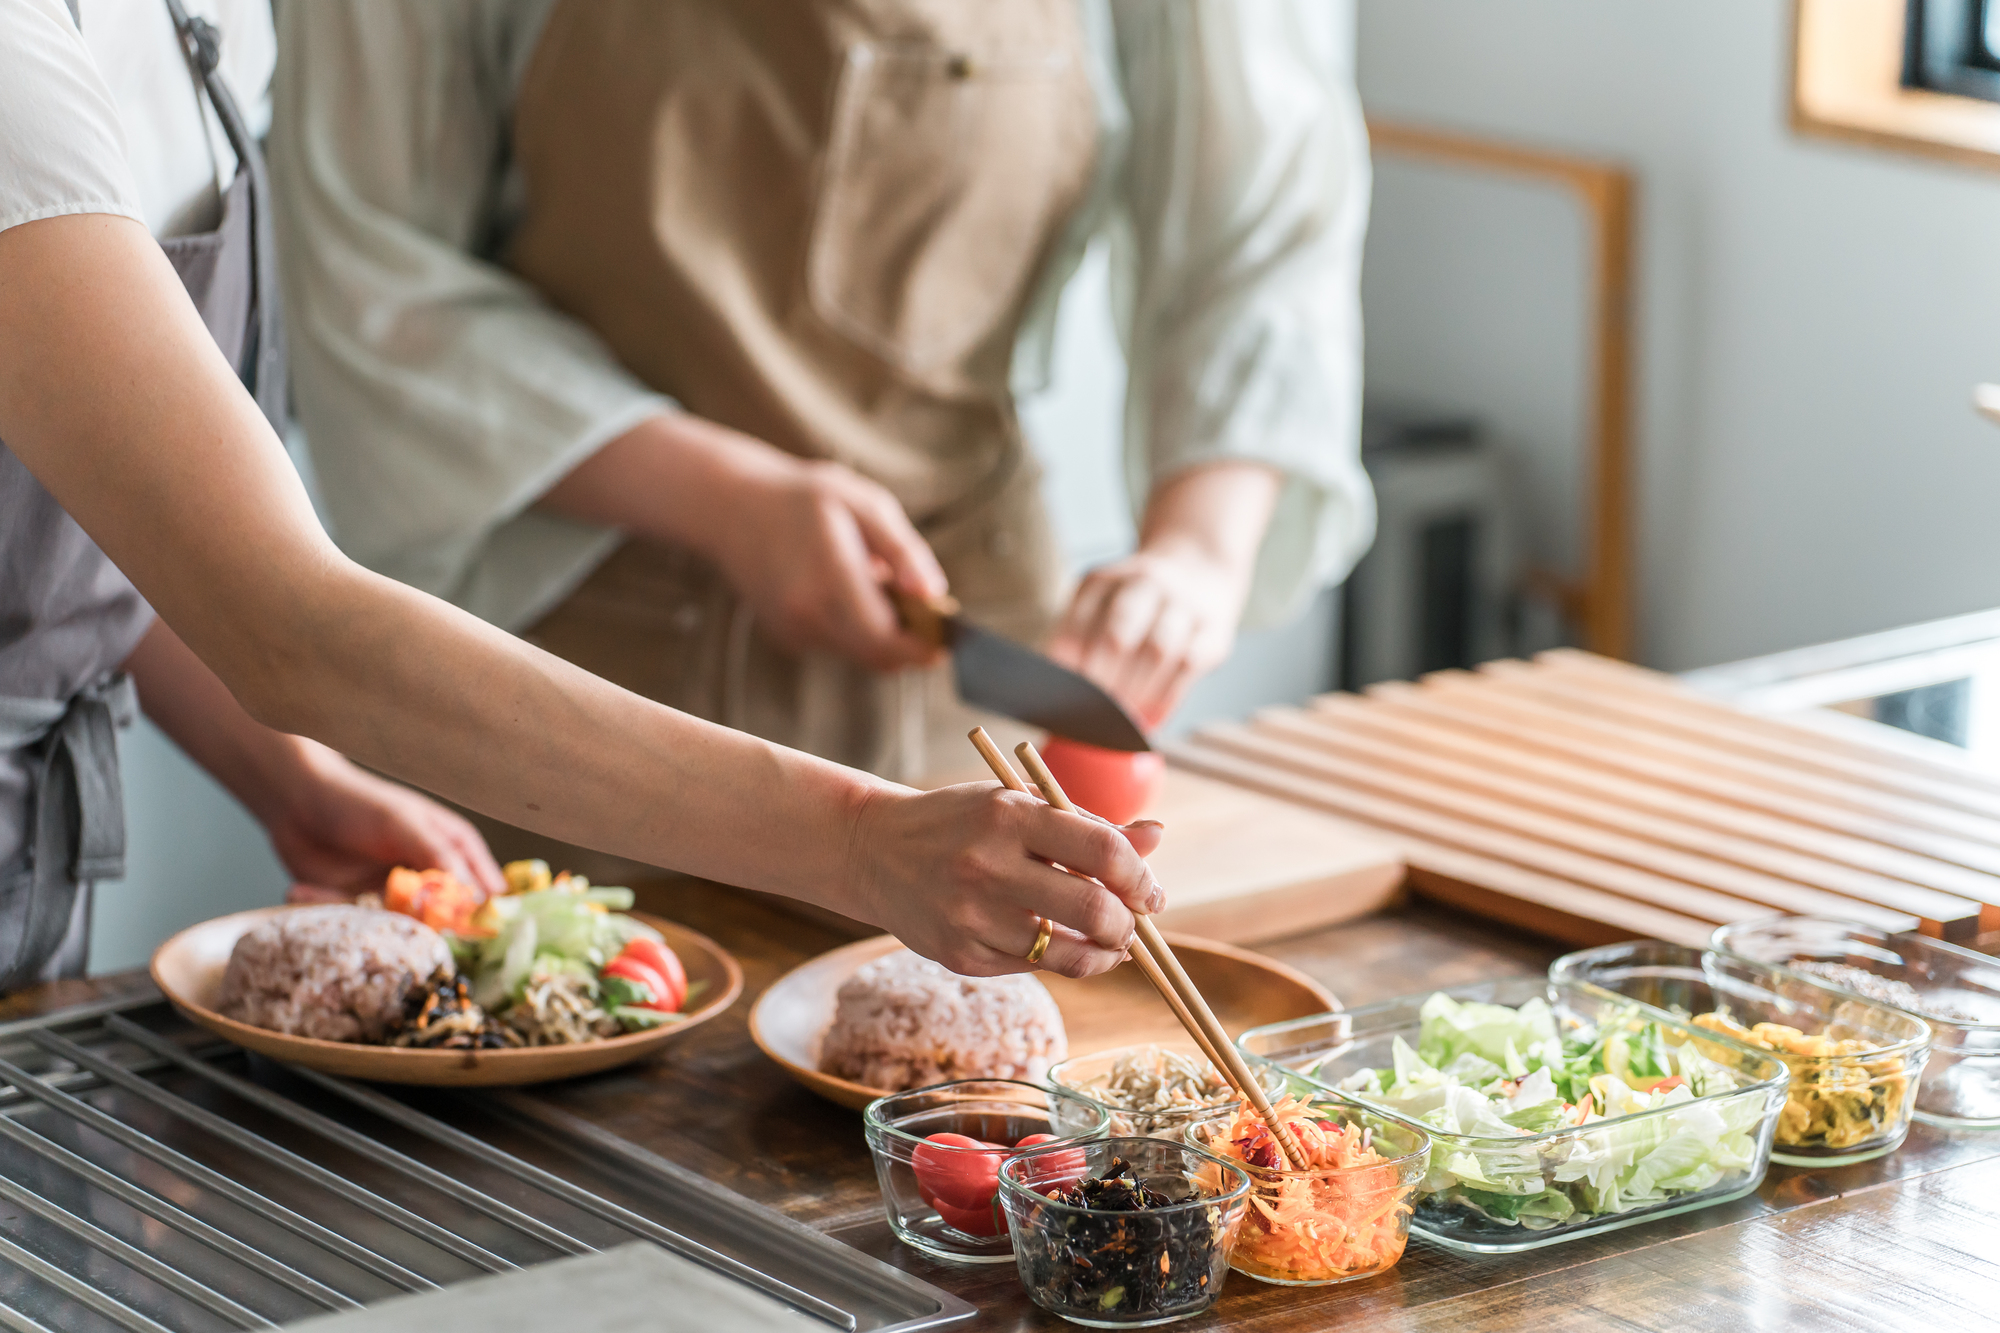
[1152,955]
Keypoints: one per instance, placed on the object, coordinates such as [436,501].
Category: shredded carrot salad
[1346,1217]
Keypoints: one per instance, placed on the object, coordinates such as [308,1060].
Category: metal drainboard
[155,1180]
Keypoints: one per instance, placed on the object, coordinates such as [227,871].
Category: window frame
[1848,69]
[1947,48]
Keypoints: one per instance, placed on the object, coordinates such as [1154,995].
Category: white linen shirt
[442,396]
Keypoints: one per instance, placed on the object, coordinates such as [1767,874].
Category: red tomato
[987,1221]
[631,969]
[1056,1168]
[958,1172]
[1112,783]
[662,960]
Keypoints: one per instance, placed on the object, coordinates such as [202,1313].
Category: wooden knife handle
[925,617]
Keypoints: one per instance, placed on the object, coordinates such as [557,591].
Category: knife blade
[995,673]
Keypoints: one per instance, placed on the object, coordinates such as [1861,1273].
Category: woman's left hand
[342,830]
[1147,627]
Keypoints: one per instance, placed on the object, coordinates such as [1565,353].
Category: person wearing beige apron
[856,297]
[570,268]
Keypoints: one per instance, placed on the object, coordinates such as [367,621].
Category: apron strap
[203,43]
[79,820]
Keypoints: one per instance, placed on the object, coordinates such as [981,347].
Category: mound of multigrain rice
[336,972]
[902,1022]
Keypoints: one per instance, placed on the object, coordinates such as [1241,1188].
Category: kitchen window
[1953,46]
[1917,76]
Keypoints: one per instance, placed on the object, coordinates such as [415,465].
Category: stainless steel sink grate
[157,1181]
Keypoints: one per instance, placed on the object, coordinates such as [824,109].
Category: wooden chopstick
[1141,957]
[1204,1020]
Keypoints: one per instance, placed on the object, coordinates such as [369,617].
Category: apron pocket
[945,175]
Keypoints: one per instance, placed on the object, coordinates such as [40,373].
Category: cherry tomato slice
[631,969]
[664,961]
[958,1172]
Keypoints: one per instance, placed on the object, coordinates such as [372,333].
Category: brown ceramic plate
[188,970]
[1117,1009]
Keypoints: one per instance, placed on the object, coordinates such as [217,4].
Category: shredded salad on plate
[1530,1124]
[551,961]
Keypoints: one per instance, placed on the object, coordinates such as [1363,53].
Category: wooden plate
[1117,1009]
[188,970]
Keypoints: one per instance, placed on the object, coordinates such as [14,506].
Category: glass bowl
[1956,991]
[1355,1220]
[941,1199]
[1087,1076]
[1123,1269]
[1491,1195]
[1855,1065]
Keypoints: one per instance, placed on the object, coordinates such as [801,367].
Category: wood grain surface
[1904,1242]
[1591,799]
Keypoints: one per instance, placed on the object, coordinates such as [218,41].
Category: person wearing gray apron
[276,652]
[69,619]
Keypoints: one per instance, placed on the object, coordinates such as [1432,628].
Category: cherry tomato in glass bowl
[960,1177]
[1056,1168]
[1116,785]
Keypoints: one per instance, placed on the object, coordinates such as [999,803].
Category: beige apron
[819,222]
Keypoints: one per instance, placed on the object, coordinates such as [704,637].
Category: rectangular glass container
[1564,1182]
[1845,1106]
[1957,989]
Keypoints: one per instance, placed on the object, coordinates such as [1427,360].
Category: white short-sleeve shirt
[109,119]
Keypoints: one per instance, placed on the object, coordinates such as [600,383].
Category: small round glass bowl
[940,1198]
[1334,1224]
[1107,1268]
[1089,1076]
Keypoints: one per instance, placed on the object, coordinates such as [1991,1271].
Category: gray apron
[68,618]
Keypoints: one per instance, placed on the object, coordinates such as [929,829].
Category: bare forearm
[673,478]
[1219,510]
[114,395]
[525,737]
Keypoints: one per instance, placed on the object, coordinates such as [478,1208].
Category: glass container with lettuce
[1552,1110]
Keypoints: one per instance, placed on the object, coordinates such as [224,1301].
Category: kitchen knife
[1015,681]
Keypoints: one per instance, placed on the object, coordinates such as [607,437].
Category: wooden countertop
[1908,1241]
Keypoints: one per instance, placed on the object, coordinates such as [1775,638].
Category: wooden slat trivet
[1716,727]
[1594,800]
[1834,806]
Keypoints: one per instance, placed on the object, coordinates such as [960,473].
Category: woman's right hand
[961,875]
[808,544]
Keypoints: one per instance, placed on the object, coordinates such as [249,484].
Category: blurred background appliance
[1439,587]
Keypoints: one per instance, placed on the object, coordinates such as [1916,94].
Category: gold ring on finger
[1042,940]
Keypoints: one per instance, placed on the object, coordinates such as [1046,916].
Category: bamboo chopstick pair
[1154,958]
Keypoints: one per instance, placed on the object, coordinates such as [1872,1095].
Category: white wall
[1811,316]
[191,853]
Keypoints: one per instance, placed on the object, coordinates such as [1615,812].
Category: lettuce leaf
[1451,1028]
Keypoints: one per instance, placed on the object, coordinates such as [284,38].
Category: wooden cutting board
[1244,867]
[1596,801]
